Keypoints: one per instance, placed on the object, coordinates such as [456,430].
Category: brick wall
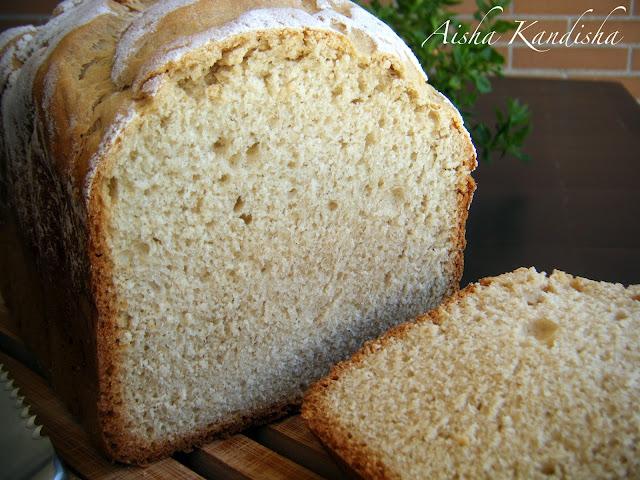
[620,63]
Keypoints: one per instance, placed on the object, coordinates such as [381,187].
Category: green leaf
[454,83]
[483,84]
[502,26]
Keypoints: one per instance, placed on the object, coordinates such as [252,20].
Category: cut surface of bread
[263,222]
[523,375]
[234,204]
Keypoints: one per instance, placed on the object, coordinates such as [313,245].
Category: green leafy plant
[461,71]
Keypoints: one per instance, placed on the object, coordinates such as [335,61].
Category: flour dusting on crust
[114,131]
[251,21]
[384,37]
[145,23]
[36,189]
[18,104]
[22,36]
[329,14]
[9,35]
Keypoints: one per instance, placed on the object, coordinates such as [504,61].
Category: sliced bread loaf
[222,198]
[520,376]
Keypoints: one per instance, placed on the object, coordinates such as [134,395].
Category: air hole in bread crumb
[577,285]
[370,139]
[292,164]
[113,189]
[234,159]
[253,151]
[333,205]
[398,193]
[435,117]
[381,183]
[532,301]
[238,205]
[246,218]
[186,85]
[224,178]
[636,298]
[621,315]
[210,78]
[548,468]
[337,91]
[219,146]
[197,206]
[387,279]
[544,330]
[549,288]
[217,72]
[142,248]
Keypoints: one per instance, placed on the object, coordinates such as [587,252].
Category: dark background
[576,205]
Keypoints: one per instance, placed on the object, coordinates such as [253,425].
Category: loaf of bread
[217,200]
[520,376]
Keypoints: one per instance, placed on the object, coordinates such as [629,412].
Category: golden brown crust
[362,459]
[466,189]
[139,453]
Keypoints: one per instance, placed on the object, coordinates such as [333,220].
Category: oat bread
[519,376]
[218,200]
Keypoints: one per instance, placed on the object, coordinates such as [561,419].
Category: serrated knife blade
[24,452]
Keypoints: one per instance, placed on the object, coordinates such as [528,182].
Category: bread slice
[519,376]
[222,199]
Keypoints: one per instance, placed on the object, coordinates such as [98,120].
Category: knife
[24,452]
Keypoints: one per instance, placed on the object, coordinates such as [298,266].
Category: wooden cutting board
[282,450]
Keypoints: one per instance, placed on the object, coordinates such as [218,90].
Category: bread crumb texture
[275,208]
[520,376]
